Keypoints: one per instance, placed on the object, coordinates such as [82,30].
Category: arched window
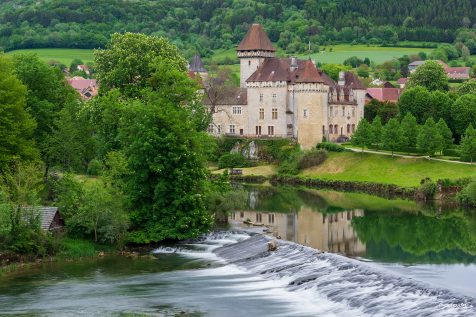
[330,129]
[336,128]
[353,128]
[323,130]
[348,128]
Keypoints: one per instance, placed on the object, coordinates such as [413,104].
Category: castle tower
[253,49]
[196,66]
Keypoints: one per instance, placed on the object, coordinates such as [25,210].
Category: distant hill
[203,25]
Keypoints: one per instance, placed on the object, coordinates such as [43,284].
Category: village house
[384,94]
[453,73]
[87,88]
[287,98]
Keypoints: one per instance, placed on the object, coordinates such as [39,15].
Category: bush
[468,195]
[331,147]
[289,167]
[95,167]
[232,160]
[312,158]
[427,189]
[452,152]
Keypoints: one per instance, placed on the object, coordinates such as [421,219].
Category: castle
[287,98]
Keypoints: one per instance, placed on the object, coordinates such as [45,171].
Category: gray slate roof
[47,215]
[196,65]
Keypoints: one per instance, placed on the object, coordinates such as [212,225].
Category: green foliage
[16,124]
[445,133]
[232,160]
[127,62]
[467,87]
[409,130]
[385,110]
[363,136]
[331,147]
[427,189]
[429,139]
[333,70]
[464,113]
[468,195]
[392,136]
[468,143]
[430,75]
[377,131]
[95,167]
[312,158]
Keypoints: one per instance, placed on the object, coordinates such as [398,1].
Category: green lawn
[405,172]
[64,55]
[376,54]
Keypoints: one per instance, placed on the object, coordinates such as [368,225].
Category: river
[379,258]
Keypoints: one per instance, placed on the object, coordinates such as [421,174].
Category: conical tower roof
[308,74]
[256,40]
[196,65]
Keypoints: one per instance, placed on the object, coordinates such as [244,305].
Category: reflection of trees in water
[421,237]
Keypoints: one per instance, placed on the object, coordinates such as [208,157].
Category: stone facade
[289,98]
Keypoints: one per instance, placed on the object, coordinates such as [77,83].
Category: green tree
[377,131]
[16,124]
[73,67]
[417,101]
[464,112]
[468,143]
[127,62]
[333,70]
[392,136]
[445,133]
[430,75]
[429,139]
[409,130]
[363,135]
[467,87]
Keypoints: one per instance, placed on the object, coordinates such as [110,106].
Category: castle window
[258,130]
[270,130]
[271,218]
[323,130]
[306,113]
[249,63]
[210,128]
[236,110]
[261,113]
[353,128]
[274,113]
[353,111]
[232,129]
[261,98]
[330,129]
[259,217]
[274,98]
[219,128]
[336,129]
[348,128]
[343,111]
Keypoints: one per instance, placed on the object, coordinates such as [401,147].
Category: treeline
[200,26]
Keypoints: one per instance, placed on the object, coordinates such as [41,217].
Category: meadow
[63,55]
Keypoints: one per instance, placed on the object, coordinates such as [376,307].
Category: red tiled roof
[278,69]
[256,40]
[458,72]
[402,81]
[385,94]
[308,73]
[80,83]
[352,81]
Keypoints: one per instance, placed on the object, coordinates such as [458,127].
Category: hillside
[205,25]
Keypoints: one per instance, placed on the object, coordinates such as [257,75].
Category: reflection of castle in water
[325,232]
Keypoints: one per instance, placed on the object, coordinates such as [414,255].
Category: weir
[363,287]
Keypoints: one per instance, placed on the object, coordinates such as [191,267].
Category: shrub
[331,147]
[95,167]
[452,152]
[468,195]
[427,189]
[232,160]
[288,167]
[312,158]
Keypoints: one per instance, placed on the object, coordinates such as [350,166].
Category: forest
[201,26]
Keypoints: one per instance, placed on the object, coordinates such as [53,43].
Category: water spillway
[362,288]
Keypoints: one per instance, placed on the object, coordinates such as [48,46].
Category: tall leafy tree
[445,133]
[409,130]
[416,101]
[16,124]
[392,136]
[467,87]
[464,112]
[377,131]
[468,143]
[429,139]
[430,75]
[363,135]
[127,62]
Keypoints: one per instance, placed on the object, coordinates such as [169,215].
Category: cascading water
[341,286]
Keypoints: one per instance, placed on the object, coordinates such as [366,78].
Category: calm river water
[381,258]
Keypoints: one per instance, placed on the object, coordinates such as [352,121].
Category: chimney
[294,64]
[341,79]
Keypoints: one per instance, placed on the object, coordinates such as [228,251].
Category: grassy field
[340,53]
[384,169]
[64,55]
